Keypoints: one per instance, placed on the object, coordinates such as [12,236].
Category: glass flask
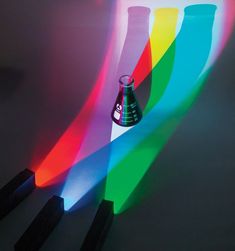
[126,111]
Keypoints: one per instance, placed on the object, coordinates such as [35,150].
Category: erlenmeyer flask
[126,111]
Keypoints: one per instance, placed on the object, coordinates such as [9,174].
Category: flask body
[126,111]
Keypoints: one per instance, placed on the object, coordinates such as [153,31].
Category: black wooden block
[15,191]
[41,227]
[97,233]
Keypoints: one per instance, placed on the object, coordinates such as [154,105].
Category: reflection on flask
[126,111]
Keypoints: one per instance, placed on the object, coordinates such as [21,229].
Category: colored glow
[76,142]
[163,34]
[75,147]
[195,35]
[82,138]
[144,66]
[137,31]
[188,61]
[132,168]
[141,157]
[162,37]
[228,22]
[89,172]
[65,152]
[137,16]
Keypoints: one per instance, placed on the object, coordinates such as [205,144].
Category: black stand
[42,225]
[98,231]
[15,191]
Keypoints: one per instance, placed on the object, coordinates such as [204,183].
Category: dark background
[189,203]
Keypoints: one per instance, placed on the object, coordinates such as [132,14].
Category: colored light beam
[82,137]
[70,148]
[163,35]
[141,157]
[228,23]
[89,172]
[137,162]
[137,32]
[64,153]
[195,36]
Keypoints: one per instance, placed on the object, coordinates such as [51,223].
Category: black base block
[15,191]
[97,233]
[42,225]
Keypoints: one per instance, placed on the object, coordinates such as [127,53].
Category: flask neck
[126,84]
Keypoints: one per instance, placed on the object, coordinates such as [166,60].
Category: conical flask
[126,111]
